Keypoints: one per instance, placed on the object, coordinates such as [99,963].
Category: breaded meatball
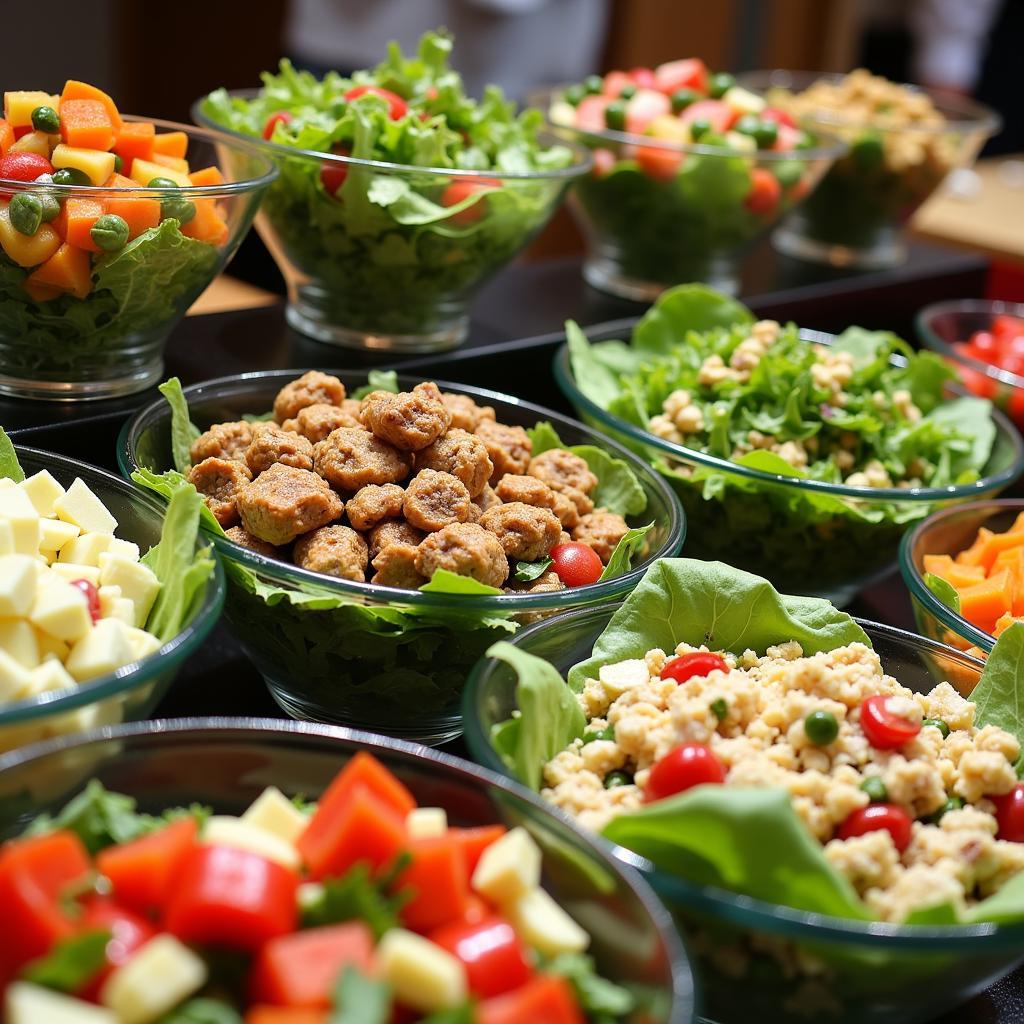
[465,549]
[508,447]
[222,441]
[557,466]
[466,414]
[334,551]
[350,458]
[532,491]
[410,420]
[526,533]
[243,538]
[374,503]
[396,567]
[433,500]
[315,422]
[313,388]
[219,482]
[601,531]
[487,498]
[284,502]
[463,455]
[582,503]
[352,406]
[271,444]
[546,584]
[393,531]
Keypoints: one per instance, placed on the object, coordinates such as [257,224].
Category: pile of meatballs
[396,486]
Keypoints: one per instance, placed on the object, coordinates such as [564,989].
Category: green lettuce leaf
[445,582]
[360,1000]
[685,308]
[10,467]
[355,896]
[183,430]
[999,696]
[526,572]
[601,1000]
[598,381]
[628,547]
[943,590]
[377,380]
[71,964]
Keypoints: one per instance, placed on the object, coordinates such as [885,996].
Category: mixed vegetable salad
[361,906]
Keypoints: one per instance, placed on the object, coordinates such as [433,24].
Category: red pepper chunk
[494,957]
[545,1000]
[438,881]
[229,897]
[128,932]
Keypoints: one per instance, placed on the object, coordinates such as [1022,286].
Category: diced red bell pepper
[545,1000]
[439,882]
[493,955]
[128,932]
[475,840]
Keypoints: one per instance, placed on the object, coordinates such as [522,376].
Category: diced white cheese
[508,868]
[541,923]
[15,679]
[158,977]
[137,582]
[6,537]
[125,549]
[55,533]
[424,976]
[114,606]
[42,490]
[18,576]
[18,639]
[72,571]
[744,101]
[143,644]
[273,812]
[86,548]
[50,647]
[23,519]
[33,1004]
[623,675]
[79,505]
[51,675]
[224,830]
[60,609]
[104,648]
[426,823]
[562,113]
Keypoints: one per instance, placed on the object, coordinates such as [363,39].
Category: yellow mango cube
[18,106]
[144,171]
[26,250]
[94,163]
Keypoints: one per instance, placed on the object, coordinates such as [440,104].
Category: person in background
[517,44]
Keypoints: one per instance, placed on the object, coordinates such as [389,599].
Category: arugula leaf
[360,1000]
[10,467]
[630,545]
[202,1011]
[377,380]
[445,582]
[183,430]
[71,963]
[999,696]
[687,307]
[601,1000]
[527,571]
[355,896]
[943,590]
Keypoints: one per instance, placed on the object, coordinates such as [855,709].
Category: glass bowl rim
[995,307]
[293,575]
[833,148]
[134,674]
[746,910]
[566,381]
[582,158]
[212,136]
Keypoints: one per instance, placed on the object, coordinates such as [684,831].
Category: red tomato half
[575,564]
[494,958]
[682,74]
[333,175]
[281,117]
[24,166]
[397,107]
[874,817]
[590,113]
[884,729]
[974,380]
[461,189]
[1010,814]
[985,345]
[686,766]
[657,163]
[1006,327]
[699,663]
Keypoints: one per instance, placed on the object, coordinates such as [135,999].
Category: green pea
[162,183]
[821,727]
[46,119]
[954,803]
[719,84]
[789,172]
[110,232]
[627,92]
[766,134]
[71,176]
[720,709]
[748,124]
[615,116]
[574,94]
[181,210]
[936,723]
[614,779]
[26,213]
[867,152]
[875,788]
[50,207]
[806,141]
[699,128]
[593,84]
[682,98]
[604,734]
[118,164]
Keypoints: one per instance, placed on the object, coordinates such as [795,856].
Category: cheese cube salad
[74,599]
[913,803]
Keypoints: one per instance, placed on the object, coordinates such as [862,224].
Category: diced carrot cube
[207,176]
[86,124]
[175,163]
[135,139]
[74,90]
[973,554]
[171,144]
[140,213]
[67,269]
[207,225]
[985,602]
[76,220]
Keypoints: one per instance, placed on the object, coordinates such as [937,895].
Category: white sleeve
[950,38]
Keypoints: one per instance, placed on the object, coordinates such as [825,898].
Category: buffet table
[515,332]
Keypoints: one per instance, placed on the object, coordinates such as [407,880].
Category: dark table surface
[514,334]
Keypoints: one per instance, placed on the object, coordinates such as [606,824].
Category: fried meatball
[463,455]
[466,414]
[546,584]
[395,566]
[222,441]
[350,458]
[526,533]
[465,549]
[219,482]
[433,500]
[312,388]
[284,502]
[334,551]
[532,491]
[410,420]
[315,422]
[601,531]
[374,503]
[487,498]
[243,538]
[557,466]
[582,503]
[271,444]
[393,531]
[508,447]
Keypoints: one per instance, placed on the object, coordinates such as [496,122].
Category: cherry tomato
[765,192]
[604,162]
[461,189]
[494,957]
[874,817]
[397,107]
[644,78]
[975,381]
[699,663]
[883,729]
[281,117]
[984,344]
[685,766]
[1006,327]
[333,175]
[1015,408]
[690,73]
[1010,814]
[576,564]
[91,596]
[24,166]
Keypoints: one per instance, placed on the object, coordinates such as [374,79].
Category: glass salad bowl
[381,658]
[226,764]
[856,215]
[765,962]
[806,536]
[376,275]
[134,690]
[106,336]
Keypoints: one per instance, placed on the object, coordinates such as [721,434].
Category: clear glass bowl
[226,763]
[948,532]
[942,324]
[658,213]
[757,961]
[346,664]
[134,690]
[111,342]
[856,215]
[359,278]
[771,525]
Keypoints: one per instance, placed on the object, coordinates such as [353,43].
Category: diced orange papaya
[954,573]
[972,555]
[67,270]
[135,139]
[86,124]
[40,292]
[171,144]
[6,137]
[74,90]
[996,545]
[140,213]
[207,225]
[175,163]
[207,176]
[985,602]
[1012,561]
[76,220]
[1018,524]
[1003,623]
